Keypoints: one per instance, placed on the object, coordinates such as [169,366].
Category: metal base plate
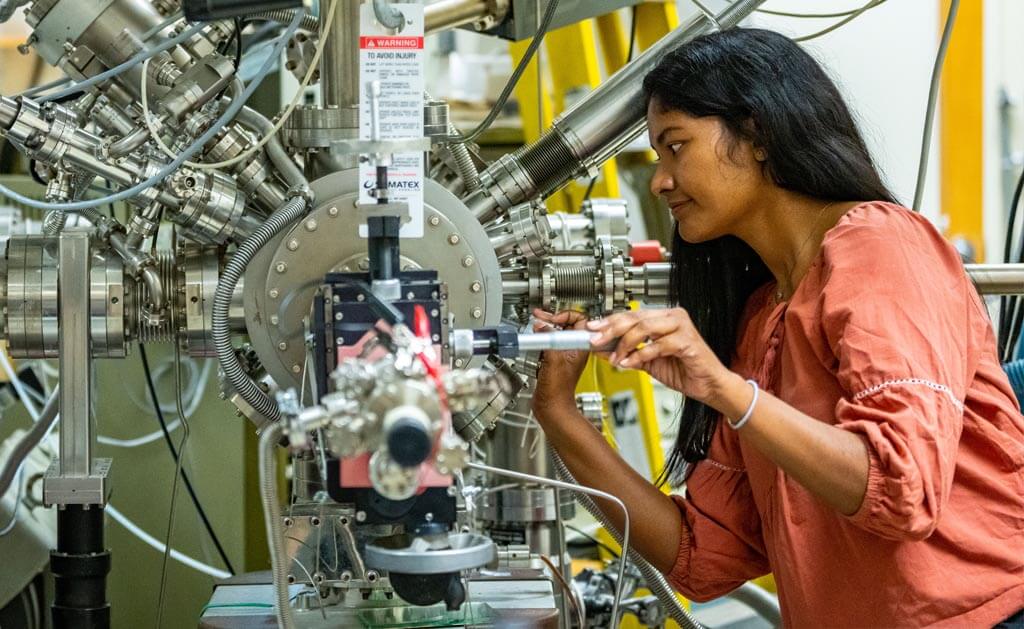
[87,490]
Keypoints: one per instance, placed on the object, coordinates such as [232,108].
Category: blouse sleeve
[896,306]
[721,547]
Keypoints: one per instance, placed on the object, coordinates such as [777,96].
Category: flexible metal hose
[309,22]
[272,518]
[464,165]
[655,581]
[292,210]
[31,439]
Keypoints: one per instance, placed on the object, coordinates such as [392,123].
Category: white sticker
[629,435]
[396,60]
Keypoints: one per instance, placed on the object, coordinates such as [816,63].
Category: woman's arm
[830,462]
[656,520]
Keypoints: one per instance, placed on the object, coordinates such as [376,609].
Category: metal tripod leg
[76,482]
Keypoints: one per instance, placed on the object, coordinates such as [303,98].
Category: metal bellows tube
[595,129]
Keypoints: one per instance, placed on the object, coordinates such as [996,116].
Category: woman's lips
[677,208]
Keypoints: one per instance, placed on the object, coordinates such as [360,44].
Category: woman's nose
[661,182]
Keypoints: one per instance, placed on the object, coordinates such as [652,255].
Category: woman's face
[709,179]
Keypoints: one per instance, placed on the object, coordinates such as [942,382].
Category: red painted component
[645,251]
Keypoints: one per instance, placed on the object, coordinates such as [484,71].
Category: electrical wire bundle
[1011,309]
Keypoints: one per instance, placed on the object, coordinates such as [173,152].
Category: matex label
[395,59]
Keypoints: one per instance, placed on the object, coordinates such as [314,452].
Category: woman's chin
[693,234]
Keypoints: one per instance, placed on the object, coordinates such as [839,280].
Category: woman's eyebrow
[664,132]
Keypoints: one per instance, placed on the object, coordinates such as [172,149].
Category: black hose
[174,455]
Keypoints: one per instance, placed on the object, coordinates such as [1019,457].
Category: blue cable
[227,116]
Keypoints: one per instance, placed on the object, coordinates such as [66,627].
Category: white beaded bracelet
[739,423]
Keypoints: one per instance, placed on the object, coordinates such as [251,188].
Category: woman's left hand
[673,351]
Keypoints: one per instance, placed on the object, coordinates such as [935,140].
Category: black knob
[409,442]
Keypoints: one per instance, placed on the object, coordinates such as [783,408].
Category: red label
[391,43]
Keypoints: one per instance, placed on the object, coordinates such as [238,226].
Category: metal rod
[339,65]
[997,279]
[76,434]
[447,14]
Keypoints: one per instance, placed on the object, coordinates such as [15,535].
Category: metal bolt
[372,575]
[280,267]
[315,521]
[435,313]
[288,522]
[364,264]
[467,261]
[459,362]
[343,519]
[282,346]
[436,338]
[274,293]
[477,313]
[296,368]
[410,296]
[311,225]
[453,239]
[434,220]
[291,578]
[451,490]
[429,517]
[360,297]
[332,211]
[476,287]
[346,576]
[338,316]
[360,516]
[273,319]
[293,244]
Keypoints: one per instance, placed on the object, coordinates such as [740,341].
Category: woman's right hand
[559,371]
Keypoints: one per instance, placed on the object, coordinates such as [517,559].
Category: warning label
[395,60]
[391,42]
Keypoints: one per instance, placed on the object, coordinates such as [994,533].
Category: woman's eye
[675,146]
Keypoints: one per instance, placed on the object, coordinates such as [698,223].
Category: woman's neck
[786,231]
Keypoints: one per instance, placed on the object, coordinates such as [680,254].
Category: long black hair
[767,90]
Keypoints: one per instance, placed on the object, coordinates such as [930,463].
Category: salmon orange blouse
[887,338]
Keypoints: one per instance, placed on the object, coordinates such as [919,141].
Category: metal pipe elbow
[129,143]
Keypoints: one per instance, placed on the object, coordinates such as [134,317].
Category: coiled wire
[292,210]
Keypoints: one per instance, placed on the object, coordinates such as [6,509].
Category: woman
[847,425]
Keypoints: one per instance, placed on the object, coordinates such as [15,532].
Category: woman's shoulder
[880,235]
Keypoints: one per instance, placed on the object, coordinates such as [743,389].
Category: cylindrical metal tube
[997,279]
[562,340]
[339,65]
[595,129]
[454,13]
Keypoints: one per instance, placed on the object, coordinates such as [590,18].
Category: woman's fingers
[631,329]
[652,350]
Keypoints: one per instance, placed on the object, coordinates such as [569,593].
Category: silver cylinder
[997,279]
[596,128]
[339,65]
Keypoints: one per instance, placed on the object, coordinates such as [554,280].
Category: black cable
[239,27]
[1010,306]
[596,541]
[632,36]
[590,188]
[34,174]
[513,80]
[174,454]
